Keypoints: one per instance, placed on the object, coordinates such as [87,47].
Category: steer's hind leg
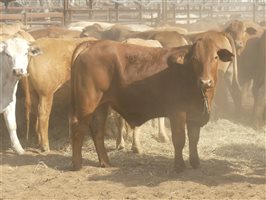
[44,111]
[162,136]
[78,130]
[120,123]
[136,146]
[10,119]
[178,122]
[98,128]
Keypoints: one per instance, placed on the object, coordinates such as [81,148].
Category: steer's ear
[225,55]
[251,31]
[34,51]
[2,46]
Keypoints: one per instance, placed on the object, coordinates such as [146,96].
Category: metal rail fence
[149,12]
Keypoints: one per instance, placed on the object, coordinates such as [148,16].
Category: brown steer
[141,83]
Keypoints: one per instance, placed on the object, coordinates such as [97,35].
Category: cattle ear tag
[180,59]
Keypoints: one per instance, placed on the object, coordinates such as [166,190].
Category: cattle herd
[140,72]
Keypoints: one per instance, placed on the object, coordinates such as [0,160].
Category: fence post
[159,15]
[116,11]
[140,13]
[174,14]
[200,14]
[90,9]
[109,17]
[25,20]
[163,11]
[254,12]
[65,11]
[188,14]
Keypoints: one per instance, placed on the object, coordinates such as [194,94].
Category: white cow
[13,65]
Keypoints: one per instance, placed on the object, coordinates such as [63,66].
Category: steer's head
[240,33]
[15,53]
[203,60]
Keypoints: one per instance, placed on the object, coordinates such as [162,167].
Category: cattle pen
[150,12]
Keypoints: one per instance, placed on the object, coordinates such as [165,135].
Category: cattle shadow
[150,171]
[53,160]
[247,155]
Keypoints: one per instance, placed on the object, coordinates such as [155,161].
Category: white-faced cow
[13,65]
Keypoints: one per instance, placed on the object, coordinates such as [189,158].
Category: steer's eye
[216,57]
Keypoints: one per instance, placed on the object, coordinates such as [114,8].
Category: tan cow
[48,72]
[10,29]
[120,32]
[54,32]
[241,32]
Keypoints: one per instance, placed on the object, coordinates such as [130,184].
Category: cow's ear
[225,55]
[34,51]
[2,46]
[251,31]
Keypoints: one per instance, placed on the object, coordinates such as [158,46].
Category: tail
[80,48]
[26,90]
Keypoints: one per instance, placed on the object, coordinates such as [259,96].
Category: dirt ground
[232,156]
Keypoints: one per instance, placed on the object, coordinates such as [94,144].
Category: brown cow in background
[54,32]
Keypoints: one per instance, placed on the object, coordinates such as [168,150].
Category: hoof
[194,162]
[105,165]
[19,150]
[45,149]
[76,166]
[136,150]
[180,167]
[120,146]
[163,138]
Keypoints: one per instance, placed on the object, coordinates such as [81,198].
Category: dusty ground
[232,167]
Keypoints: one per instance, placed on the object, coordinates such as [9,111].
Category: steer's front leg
[10,119]
[193,137]
[178,122]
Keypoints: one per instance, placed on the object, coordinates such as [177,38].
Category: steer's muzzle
[19,72]
[205,84]
[239,44]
